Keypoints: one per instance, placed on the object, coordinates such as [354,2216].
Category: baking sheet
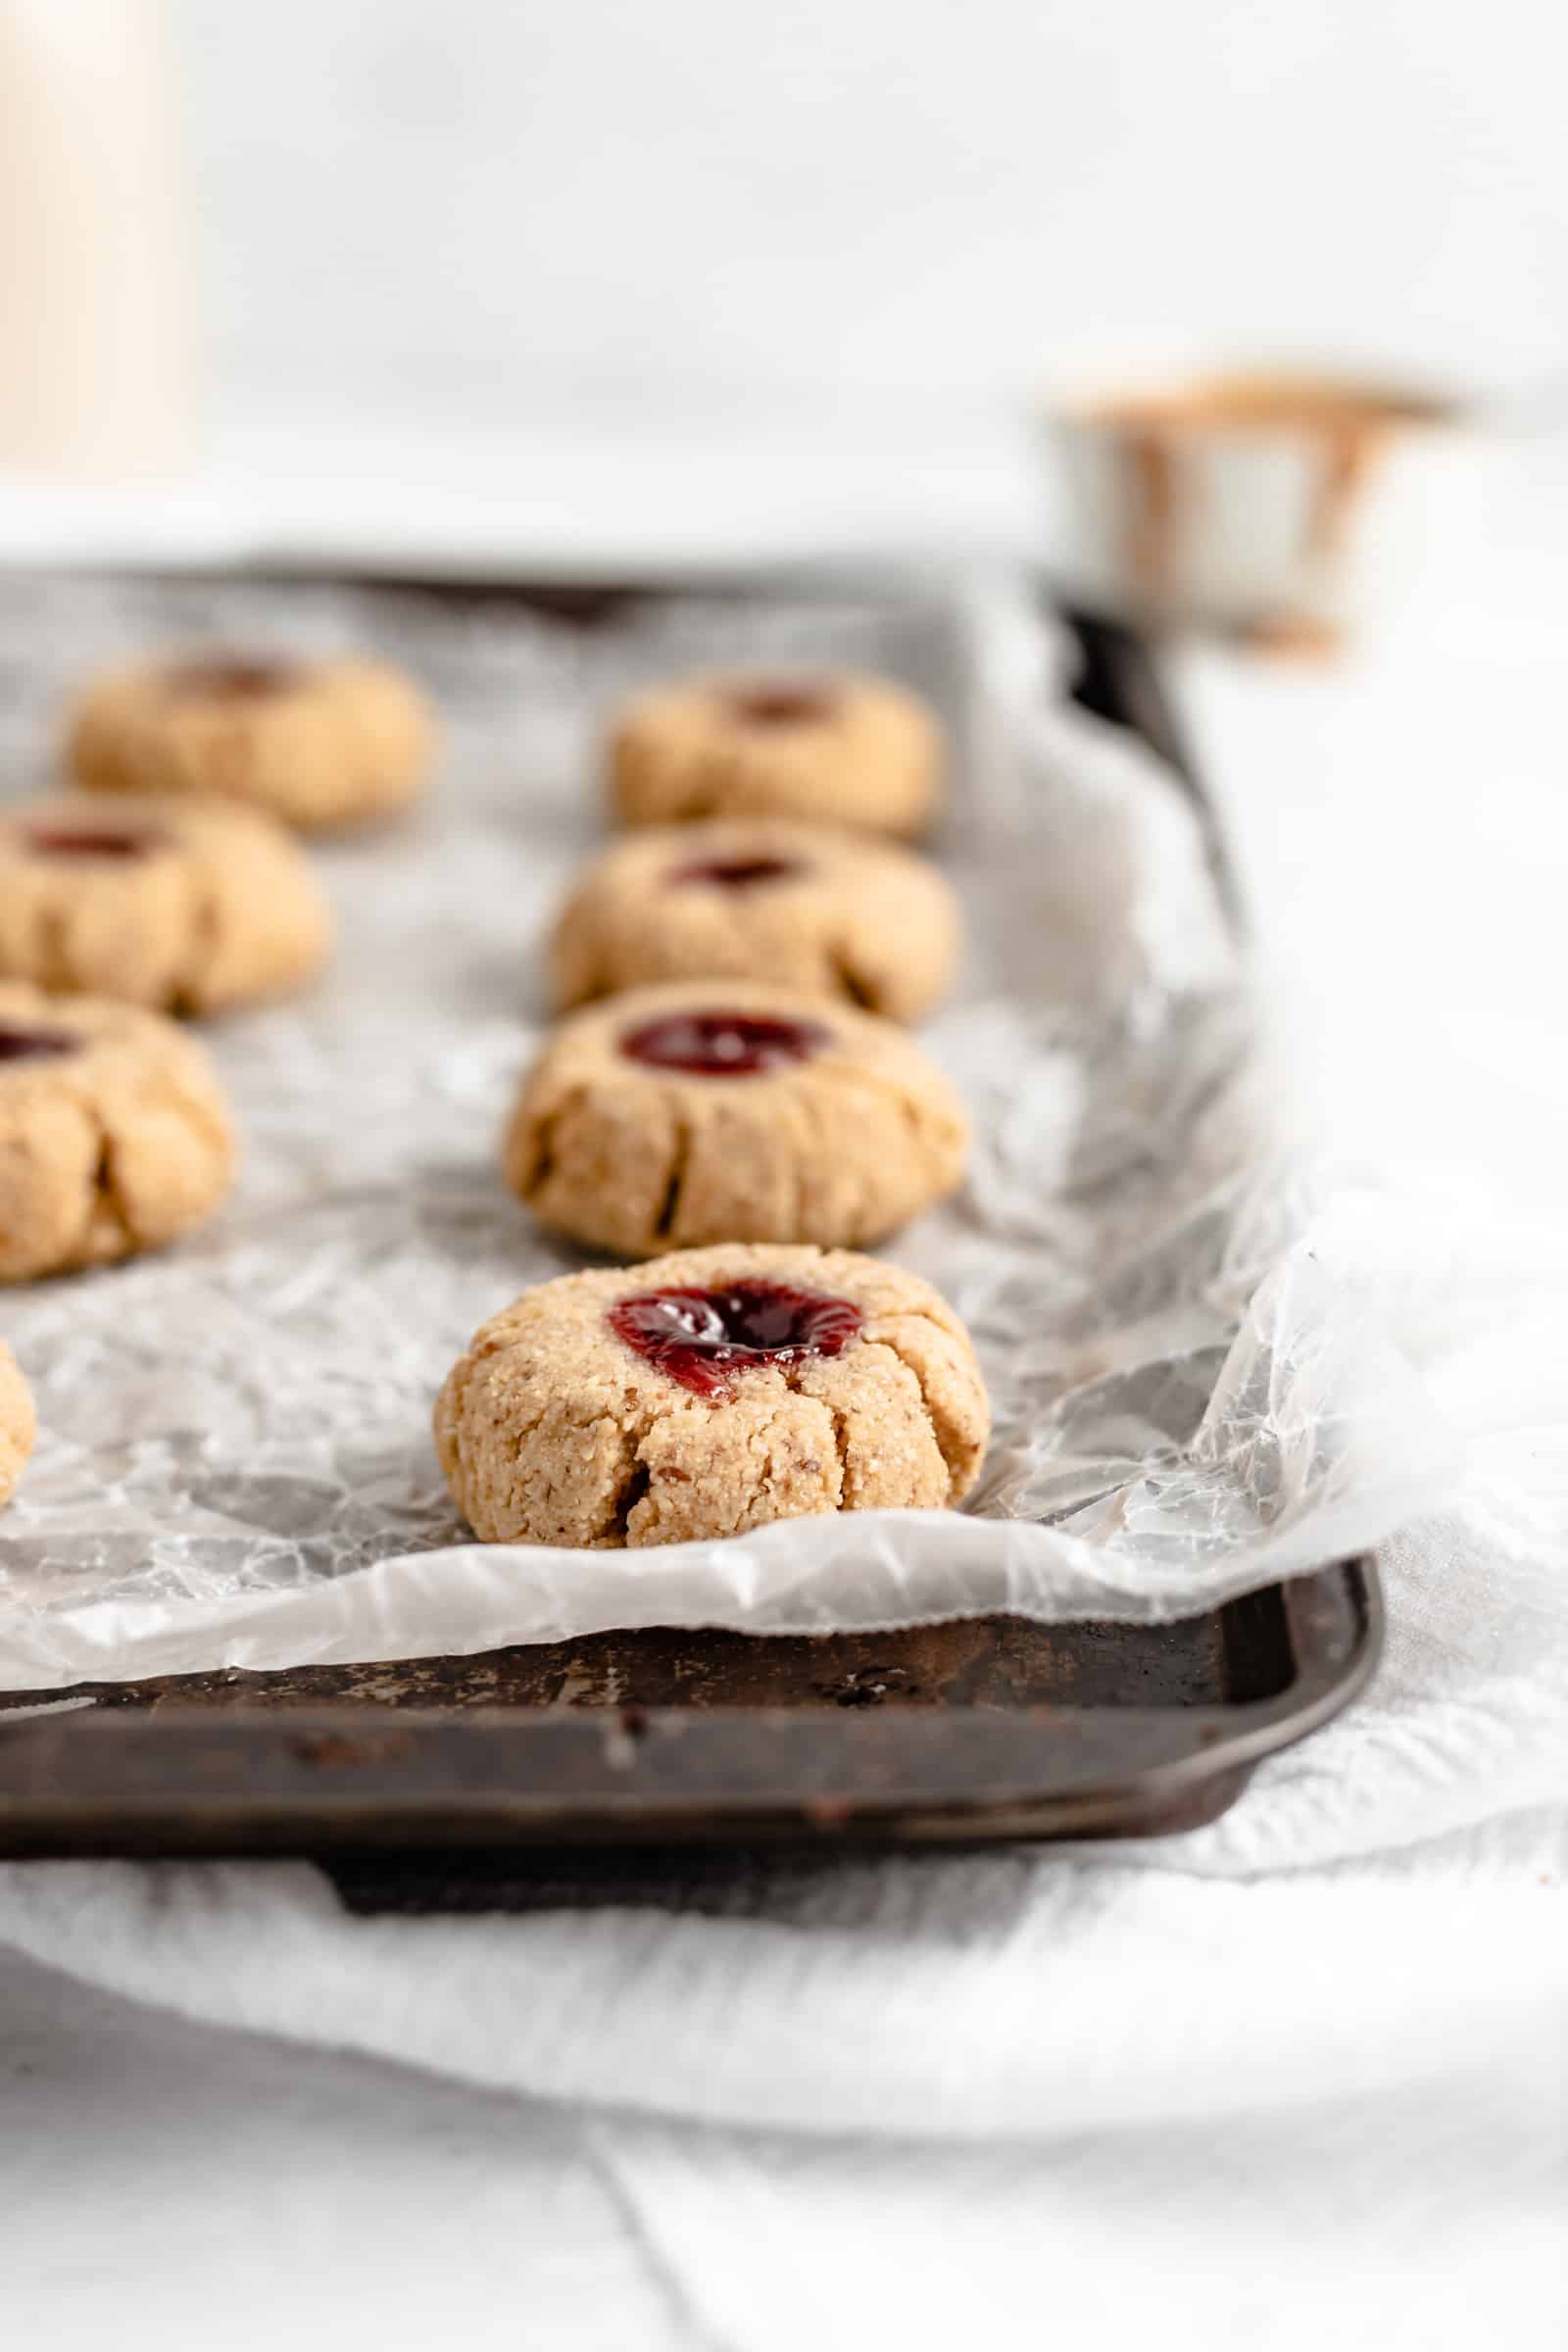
[1191,1394]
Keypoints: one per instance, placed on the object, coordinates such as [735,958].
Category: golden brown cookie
[731,1112]
[168,902]
[827,914]
[317,744]
[19,1425]
[709,1391]
[114,1132]
[835,750]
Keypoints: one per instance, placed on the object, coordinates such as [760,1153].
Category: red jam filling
[700,1337]
[230,678]
[86,841]
[722,1045]
[780,706]
[37,1044]
[736,873]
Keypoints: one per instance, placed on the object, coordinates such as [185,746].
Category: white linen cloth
[1301,2076]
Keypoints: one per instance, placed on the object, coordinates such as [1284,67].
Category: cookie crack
[707,792]
[951,1444]
[851,982]
[633,1488]
[840,1419]
[628,1485]
[188,992]
[794,1377]
[924,1124]
[675,1181]
[106,1199]
[541,1164]
[206,1120]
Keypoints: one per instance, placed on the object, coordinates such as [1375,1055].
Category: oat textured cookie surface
[709,1391]
[731,1112]
[159,902]
[19,1424]
[321,745]
[836,749]
[115,1136]
[808,908]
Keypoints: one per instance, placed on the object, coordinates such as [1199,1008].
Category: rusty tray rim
[352,1777]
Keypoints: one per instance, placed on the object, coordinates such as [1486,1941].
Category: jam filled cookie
[828,913]
[732,1113]
[162,903]
[114,1133]
[19,1425]
[834,749]
[318,744]
[709,1391]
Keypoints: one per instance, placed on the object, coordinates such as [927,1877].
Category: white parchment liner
[1191,1395]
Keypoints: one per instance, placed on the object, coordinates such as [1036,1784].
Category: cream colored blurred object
[94,379]
[1297,507]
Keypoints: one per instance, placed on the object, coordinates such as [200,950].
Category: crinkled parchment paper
[235,1464]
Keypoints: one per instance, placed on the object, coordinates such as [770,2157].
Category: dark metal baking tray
[566,1770]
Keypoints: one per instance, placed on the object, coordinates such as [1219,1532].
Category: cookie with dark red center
[834,749]
[318,744]
[710,1391]
[728,1111]
[114,1135]
[808,908]
[165,903]
[19,1424]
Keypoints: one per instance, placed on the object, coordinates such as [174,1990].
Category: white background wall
[758,207]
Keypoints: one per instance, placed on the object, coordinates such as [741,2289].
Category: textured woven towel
[1296,2079]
